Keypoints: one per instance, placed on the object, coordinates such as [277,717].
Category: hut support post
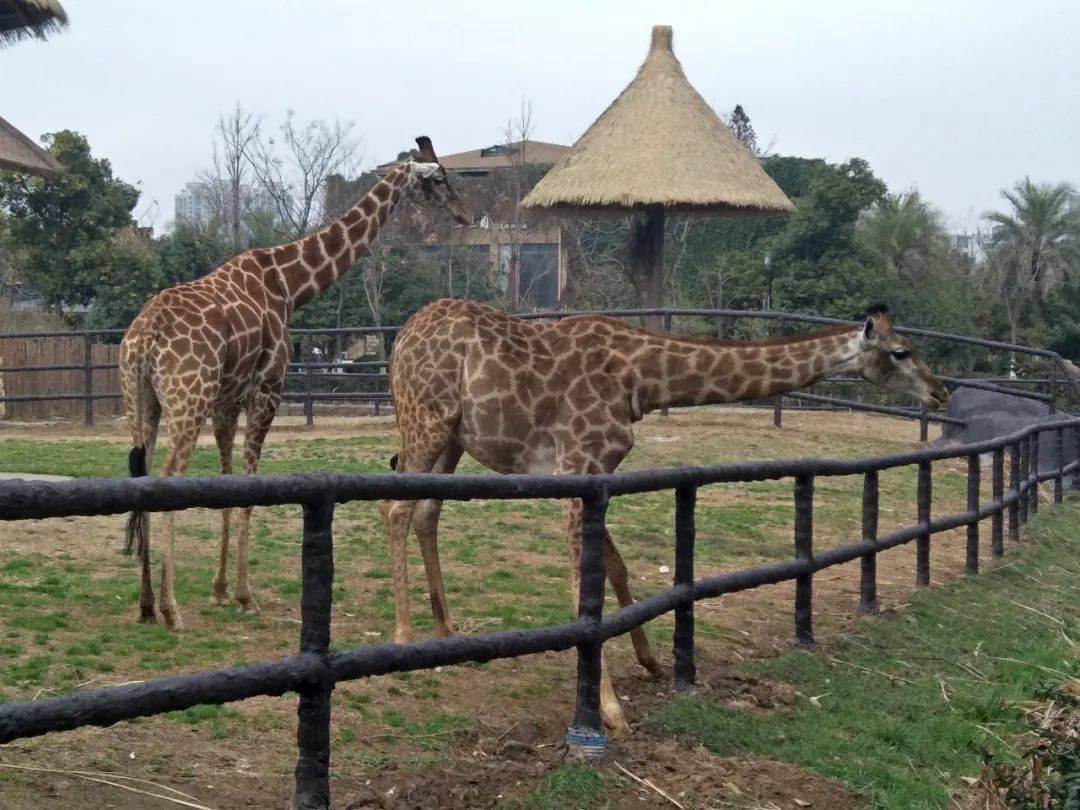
[648,259]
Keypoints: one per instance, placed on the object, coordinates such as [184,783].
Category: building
[196,204]
[199,203]
[972,245]
[528,256]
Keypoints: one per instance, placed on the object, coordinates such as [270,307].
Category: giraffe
[220,344]
[523,396]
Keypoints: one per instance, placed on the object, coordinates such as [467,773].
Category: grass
[568,786]
[68,599]
[906,705]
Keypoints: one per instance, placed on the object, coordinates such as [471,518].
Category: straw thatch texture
[659,143]
[20,19]
[20,154]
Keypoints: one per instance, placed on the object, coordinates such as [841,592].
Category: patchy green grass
[902,709]
[68,599]
[568,786]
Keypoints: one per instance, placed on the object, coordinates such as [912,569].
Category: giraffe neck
[315,262]
[678,372]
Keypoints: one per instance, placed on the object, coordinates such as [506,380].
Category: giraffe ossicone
[220,345]
[562,396]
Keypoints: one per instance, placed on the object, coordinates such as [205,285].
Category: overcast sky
[955,98]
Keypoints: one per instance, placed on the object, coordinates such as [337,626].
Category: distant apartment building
[530,257]
[198,203]
[972,245]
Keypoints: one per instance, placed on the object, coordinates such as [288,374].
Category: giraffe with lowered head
[220,344]
[523,396]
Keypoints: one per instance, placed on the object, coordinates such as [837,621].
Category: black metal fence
[314,671]
[319,375]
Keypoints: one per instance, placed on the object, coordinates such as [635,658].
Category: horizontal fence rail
[313,672]
[307,380]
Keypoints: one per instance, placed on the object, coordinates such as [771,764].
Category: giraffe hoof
[654,669]
[617,729]
[147,616]
[443,632]
[249,607]
[220,598]
[174,622]
[403,636]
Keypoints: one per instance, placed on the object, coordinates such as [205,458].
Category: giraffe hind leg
[413,456]
[261,411]
[426,524]
[224,435]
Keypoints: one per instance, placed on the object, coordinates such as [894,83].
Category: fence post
[971,563]
[1052,404]
[586,735]
[1035,438]
[88,380]
[309,401]
[998,492]
[683,640]
[922,552]
[804,550]
[1076,470]
[924,423]
[778,411]
[1059,462]
[1025,466]
[667,329]
[1014,489]
[313,727]
[868,581]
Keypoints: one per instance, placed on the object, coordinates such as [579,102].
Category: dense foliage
[850,243]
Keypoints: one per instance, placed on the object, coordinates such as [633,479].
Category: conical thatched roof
[20,154]
[29,18]
[659,143]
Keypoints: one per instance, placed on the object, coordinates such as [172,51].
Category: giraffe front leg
[619,578]
[611,712]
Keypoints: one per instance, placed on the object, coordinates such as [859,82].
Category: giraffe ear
[427,151]
[868,332]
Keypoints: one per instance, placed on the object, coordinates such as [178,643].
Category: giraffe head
[430,185]
[885,359]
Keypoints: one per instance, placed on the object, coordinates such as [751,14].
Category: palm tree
[905,233]
[1042,232]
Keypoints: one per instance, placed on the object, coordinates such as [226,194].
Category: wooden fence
[51,350]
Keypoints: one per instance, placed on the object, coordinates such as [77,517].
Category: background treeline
[851,242]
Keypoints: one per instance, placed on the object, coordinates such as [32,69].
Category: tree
[905,234]
[230,177]
[739,124]
[1043,232]
[133,268]
[57,229]
[293,172]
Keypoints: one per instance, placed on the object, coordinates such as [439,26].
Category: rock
[990,414]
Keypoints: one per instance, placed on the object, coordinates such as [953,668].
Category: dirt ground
[519,706]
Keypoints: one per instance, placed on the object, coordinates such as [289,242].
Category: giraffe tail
[138,525]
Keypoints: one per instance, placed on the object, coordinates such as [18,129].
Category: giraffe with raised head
[220,345]
[523,396]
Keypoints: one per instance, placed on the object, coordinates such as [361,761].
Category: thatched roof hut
[20,154]
[20,19]
[30,18]
[658,148]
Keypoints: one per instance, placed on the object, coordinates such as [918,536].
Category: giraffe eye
[901,354]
